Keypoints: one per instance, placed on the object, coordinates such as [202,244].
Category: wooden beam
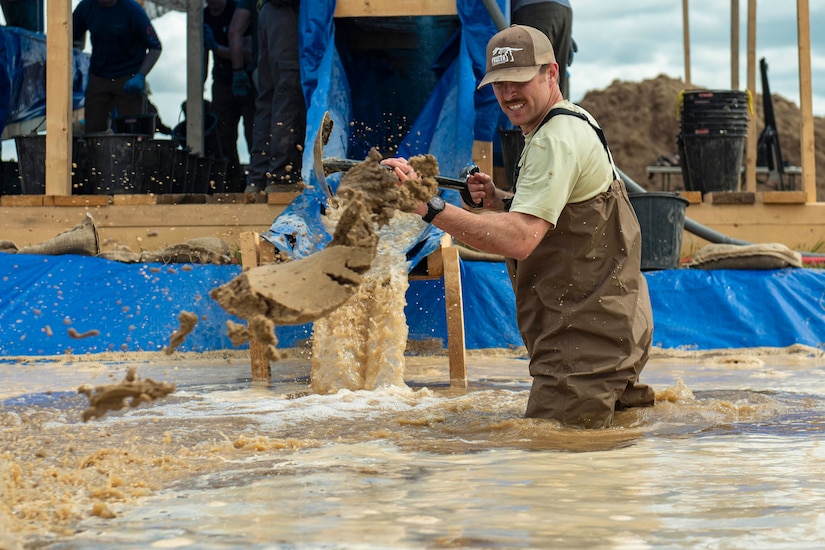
[750,149]
[734,44]
[59,68]
[394,8]
[686,40]
[194,76]
[250,252]
[483,156]
[453,298]
[806,138]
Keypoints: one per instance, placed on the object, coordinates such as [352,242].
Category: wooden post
[734,44]
[456,345]
[250,243]
[750,151]
[194,76]
[806,138]
[686,40]
[58,169]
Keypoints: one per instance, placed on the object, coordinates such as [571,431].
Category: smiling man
[571,239]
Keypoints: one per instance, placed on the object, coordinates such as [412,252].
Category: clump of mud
[304,290]
[113,397]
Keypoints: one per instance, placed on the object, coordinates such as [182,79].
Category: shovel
[304,290]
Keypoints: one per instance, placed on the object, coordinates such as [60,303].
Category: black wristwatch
[434,208]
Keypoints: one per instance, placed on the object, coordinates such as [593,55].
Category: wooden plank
[134,200]
[750,147]
[250,246]
[77,200]
[694,197]
[782,197]
[730,197]
[454,301]
[394,8]
[281,197]
[21,200]
[806,132]
[482,156]
[59,68]
[686,40]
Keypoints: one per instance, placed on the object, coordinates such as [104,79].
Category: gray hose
[495,14]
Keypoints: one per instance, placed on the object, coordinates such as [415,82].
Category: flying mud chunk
[113,397]
[187,321]
[301,291]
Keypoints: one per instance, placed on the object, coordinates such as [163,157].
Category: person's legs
[99,104]
[226,109]
[556,21]
[127,104]
[288,111]
[259,152]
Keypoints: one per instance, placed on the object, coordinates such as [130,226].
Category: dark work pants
[230,110]
[103,95]
[280,112]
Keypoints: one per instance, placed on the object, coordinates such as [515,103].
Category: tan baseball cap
[516,54]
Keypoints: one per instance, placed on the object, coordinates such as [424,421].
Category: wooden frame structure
[806,131]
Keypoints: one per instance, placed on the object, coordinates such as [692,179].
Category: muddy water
[730,457]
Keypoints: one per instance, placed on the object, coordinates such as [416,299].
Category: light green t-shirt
[563,162]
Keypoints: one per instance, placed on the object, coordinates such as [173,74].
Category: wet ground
[730,457]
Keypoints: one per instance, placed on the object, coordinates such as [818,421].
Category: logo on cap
[503,54]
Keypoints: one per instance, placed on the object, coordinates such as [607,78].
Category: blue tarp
[454,115]
[23,76]
[135,307]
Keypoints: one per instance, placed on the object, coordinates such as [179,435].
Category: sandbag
[753,256]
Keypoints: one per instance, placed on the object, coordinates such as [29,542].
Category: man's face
[524,103]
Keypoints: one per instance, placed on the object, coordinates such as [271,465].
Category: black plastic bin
[662,220]
[31,165]
[113,166]
[714,127]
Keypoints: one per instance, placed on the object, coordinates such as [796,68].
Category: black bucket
[662,220]
[714,127]
[114,170]
[217,178]
[9,178]
[512,143]
[31,165]
[180,171]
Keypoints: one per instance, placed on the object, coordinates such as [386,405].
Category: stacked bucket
[714,127]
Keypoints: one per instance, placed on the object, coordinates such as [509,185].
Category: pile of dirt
[641,124]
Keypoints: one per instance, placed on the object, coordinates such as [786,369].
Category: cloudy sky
[631,40]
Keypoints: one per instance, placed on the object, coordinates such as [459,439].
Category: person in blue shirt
[125,47]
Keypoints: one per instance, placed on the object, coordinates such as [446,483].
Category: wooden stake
[455,313]
[750,151]
[59,66]
[686,39]
[250,243]
[806,137]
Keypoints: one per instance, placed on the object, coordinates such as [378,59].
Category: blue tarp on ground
[134,307]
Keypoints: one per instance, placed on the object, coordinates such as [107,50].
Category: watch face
[437,203]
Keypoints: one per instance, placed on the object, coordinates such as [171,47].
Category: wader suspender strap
[562,111]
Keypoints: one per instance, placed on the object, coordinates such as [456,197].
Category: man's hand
[135,85]
[240,83]
[209,42]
